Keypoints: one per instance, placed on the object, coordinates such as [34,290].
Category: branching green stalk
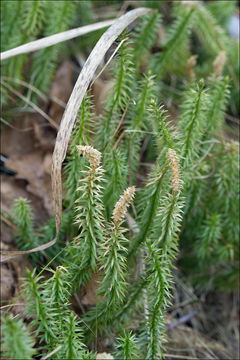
[158,288]
[9,34]
[113,265]
[215,38]
[59,15]
[137,122]
[226,181]
[73,347]
[119,95]
[222,11]
[170,209]
[17,342]
[210,33]
[209,235]
[151,192]
[145,37]
[54,322]
[81,135]
[57,290]
[193,122]
[134,296]
[219,93]
[114,254]
[12,36]
[159,120]
[150,195]
[116,178]
[127,346]
[39,310]
[89,218]
[33,17]
[169,226]
[25,238]
[162,251]
[178,35]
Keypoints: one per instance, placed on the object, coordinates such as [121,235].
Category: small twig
[119,139]
[118,127]
[141,131]
[130,130]
[220,153]
[8,222]
[29,102]
[232,119]
[207,348]
[182,320]
[180,357]
[8,95]
[85,324]
[204,156]
[5,306]
[52,352]
[21,130]
[34,89]
[79,302]
[205,176]
[183,304]
[108,62]
[127,3]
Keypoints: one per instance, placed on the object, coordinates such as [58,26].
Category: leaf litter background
[203,325]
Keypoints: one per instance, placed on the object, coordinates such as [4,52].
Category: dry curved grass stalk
[70,114]
[54,39]
[75,101]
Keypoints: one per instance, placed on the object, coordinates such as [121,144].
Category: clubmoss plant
[162,145]
[22,346]
[127,347]
[114,267]
[25,237]
[89,218]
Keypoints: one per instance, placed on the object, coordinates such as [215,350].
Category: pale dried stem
[52,352]
[54,39]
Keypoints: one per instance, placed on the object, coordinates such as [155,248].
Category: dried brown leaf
[31,168]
